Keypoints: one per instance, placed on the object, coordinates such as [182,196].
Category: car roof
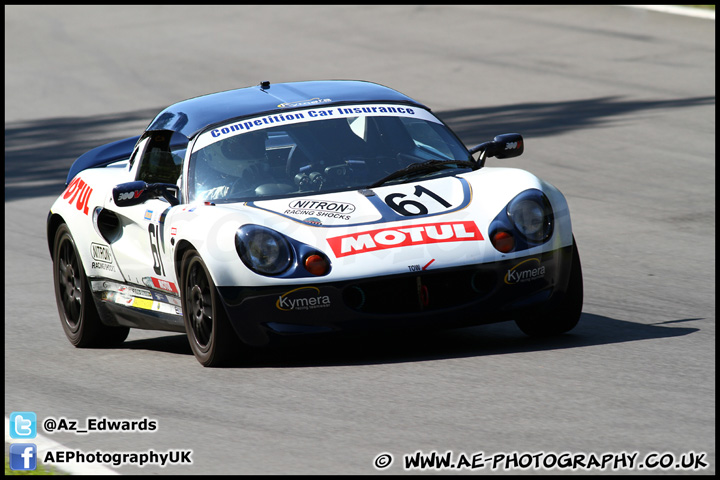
[191,116]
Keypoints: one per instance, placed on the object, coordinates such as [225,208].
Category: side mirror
[135,193]
[508,145]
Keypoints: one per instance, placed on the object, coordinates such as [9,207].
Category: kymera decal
[525,271]
[303,298]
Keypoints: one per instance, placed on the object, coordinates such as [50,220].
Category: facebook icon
[23,456]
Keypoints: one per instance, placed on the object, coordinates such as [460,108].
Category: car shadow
[39,153]
[541,119]
[408,347]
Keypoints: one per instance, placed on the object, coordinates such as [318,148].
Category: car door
[142,250]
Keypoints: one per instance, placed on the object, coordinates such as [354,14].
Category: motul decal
[164,285]
[79,192]
[404,237]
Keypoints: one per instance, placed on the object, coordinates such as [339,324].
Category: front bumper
[443,298]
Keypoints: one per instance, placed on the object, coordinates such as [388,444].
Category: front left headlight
[531,214]
[263,250]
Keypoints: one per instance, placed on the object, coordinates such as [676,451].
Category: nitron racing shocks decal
[385,238]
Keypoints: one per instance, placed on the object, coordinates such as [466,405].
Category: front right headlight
[531,214]
[526,222]
[263,250]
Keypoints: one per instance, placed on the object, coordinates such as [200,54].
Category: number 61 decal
[155,247]
[412,207]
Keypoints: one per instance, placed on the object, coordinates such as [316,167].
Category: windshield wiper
[422,168]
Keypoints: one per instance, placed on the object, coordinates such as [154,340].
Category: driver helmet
[240,153]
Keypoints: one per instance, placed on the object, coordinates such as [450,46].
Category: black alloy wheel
[212,339]
[78,314]
[565,314]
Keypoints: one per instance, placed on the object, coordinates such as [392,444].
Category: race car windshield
[320,150]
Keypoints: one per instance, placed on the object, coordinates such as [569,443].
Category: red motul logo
[80,190]
[404,237]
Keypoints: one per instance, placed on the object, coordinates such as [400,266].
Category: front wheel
[565,314]
[78,314]
[212,339]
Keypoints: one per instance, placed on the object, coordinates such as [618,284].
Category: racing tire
[78,313]
[212,339]
[565,314]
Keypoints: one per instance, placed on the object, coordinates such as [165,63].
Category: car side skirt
[122,304]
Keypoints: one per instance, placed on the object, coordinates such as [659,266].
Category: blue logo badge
[23,456]
[23,425]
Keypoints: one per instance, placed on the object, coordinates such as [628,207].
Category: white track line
[678,10]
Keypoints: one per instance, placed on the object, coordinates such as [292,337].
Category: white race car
[306,208]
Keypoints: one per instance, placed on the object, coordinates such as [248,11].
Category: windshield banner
[298,116]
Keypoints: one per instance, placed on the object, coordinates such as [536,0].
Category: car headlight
[263,250]
[531,214]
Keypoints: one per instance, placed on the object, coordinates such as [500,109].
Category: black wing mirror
[135,193]
[508,145]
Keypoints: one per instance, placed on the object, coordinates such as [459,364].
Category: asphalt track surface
[617,107]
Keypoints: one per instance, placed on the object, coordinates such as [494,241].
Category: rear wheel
[565,314]
[212,339]
[78,314]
